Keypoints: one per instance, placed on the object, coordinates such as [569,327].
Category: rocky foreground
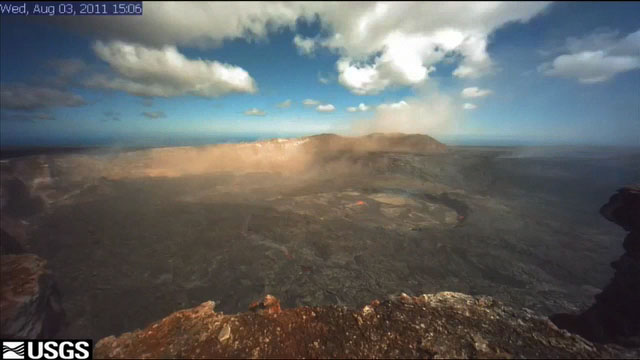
[443,325]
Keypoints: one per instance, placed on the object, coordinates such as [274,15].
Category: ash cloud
[432,113]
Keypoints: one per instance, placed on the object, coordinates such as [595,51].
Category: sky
[483,73]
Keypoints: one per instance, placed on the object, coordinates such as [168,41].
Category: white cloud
[391,44]
[325,108]
[165,72]
[310,102]
[306,46]
[596,58]
[469,106]
[361,80]
[398,105]
[362,107]
[255,112]
[285,104]
[154,114]
[379,44]
[26,97]
[474,92]
[202,24]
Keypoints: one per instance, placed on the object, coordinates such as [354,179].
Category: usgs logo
[47,349]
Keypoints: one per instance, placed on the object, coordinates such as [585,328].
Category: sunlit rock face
[443,325]
[30,305]
[309,155]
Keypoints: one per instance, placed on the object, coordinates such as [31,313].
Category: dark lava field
[132,236]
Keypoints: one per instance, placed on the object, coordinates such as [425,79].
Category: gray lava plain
[134,236]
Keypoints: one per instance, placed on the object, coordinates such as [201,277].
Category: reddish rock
[445,325]
[29,301]
[268,305]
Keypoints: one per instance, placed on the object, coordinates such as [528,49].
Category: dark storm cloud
[65,72]
[27,97]
[26,116]
[67,68]
[154,114]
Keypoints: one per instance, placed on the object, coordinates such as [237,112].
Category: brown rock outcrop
[29,300]
[444,325]
[269,305]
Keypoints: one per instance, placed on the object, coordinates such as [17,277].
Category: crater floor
[128,250]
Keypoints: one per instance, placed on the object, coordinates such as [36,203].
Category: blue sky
[472,73]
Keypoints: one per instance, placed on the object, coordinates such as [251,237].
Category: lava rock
[269,305]
[20,202]
[623,208]
[30,305]
[9,245]
[615,316]
[446,325]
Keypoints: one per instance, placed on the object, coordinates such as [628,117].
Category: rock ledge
[445,325]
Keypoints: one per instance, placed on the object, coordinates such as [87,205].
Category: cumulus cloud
[325,108]
[255,112]
[201,24]
[397,105]
[285,104]
[431,113]
[361,107]
[469,106]
[596,58]
[310,102]
[474,92]
[154,114]
[390,44]
[26,97]
[305,46]
[165,72]
[379,44]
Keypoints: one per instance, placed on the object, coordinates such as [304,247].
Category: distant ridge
[387,142]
